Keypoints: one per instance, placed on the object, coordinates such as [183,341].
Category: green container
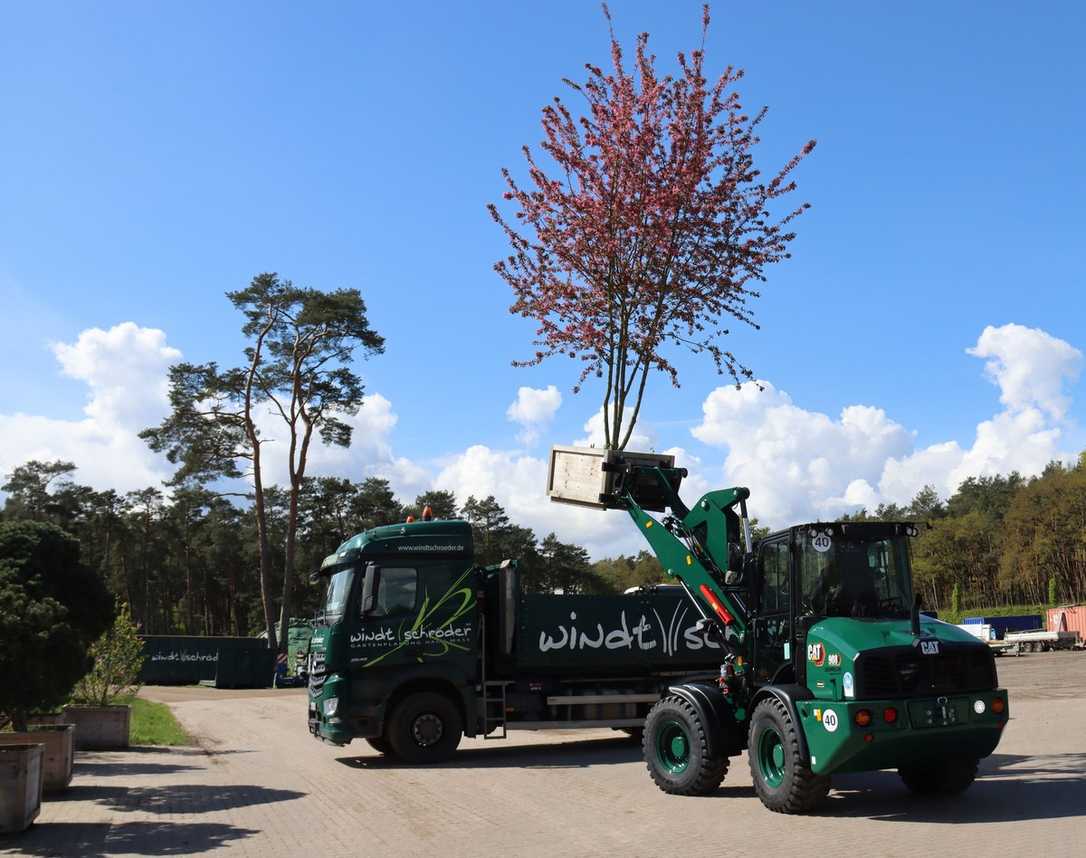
[246,667]
[188,659]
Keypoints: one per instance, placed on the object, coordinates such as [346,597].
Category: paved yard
[259,785]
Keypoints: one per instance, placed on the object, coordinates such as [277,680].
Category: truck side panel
[638,633]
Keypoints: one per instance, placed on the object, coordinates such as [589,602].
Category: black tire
[425,727]
[675,745]
[782,779]
[380,744]
[942,777]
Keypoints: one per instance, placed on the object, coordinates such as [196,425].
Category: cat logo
[816,654]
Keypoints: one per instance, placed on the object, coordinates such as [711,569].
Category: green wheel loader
[828,664]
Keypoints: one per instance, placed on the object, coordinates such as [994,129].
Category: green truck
[417,646]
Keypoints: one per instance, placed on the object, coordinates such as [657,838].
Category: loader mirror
[369,588]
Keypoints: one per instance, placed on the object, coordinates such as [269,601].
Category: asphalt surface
[259,785]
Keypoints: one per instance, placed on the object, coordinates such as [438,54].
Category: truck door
[393,598]
[773,624]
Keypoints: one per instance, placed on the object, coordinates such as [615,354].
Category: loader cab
[807,573]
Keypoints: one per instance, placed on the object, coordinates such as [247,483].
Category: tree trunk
[264,550]
[288,565]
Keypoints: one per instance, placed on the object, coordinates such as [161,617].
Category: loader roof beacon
[827,664]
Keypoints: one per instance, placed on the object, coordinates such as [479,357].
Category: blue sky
[153,156]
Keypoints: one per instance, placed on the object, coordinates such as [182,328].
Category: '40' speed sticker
[829,721]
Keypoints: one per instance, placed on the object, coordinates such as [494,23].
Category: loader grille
[904,672]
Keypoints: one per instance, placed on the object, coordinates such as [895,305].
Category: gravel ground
[259,785]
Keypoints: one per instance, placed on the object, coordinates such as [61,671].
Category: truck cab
[399,613]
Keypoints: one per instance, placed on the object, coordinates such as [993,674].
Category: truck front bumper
[901,732]
[347,721]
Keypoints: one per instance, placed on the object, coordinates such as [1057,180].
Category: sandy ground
[259,785]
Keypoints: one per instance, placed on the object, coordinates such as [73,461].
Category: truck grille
[904,672]
[317,672]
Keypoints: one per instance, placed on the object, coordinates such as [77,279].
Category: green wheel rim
[771,757]
[673,747]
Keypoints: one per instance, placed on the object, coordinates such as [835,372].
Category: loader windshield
[865,576]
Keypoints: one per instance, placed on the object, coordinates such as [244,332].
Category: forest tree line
[186,562]
[999,540]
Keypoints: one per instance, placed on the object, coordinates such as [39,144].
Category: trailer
[1042,641]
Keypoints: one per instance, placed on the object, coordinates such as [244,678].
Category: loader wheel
[784,782]
[676,749]
[944,777]
[424,728]
[380,744]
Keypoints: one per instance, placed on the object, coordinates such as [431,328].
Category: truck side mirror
[369,588]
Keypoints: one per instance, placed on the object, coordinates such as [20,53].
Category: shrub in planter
[51,608]
[117,658]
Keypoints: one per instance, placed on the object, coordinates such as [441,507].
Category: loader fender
[725,737]
[788,695]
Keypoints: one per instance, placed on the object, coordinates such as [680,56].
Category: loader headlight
[330,707]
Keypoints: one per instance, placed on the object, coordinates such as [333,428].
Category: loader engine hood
[852,659]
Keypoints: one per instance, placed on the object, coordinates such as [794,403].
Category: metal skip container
[1069,618]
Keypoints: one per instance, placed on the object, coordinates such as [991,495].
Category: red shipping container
[1068,619]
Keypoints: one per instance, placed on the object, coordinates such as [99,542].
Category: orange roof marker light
[410,519]
[427,513]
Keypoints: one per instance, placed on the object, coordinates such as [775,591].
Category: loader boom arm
[693,544]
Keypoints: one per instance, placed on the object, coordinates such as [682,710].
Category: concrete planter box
[56,740]
[46,718]
[99,728]
[20,786]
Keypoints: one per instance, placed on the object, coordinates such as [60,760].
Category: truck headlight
[330,707]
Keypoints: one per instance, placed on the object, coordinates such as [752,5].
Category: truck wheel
[784,782]
[424,728]
[676,749]
[380,744]
[945,777]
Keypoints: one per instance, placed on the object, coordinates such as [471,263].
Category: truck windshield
[864,578]
[339,588]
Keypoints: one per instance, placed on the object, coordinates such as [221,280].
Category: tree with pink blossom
[648,229]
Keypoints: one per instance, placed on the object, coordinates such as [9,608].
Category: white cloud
[640,439]
[533,409]
[1030,367]
[797,463]
[125,371]
[803,464]
[519,482]
[370,453]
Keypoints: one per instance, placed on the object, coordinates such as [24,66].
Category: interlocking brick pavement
[259,785]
